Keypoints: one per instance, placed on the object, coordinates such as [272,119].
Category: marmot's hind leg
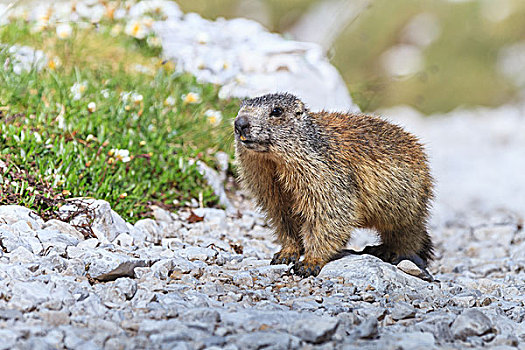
[405,244]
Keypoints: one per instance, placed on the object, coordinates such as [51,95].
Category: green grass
[52,142]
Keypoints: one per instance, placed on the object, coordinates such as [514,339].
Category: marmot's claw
[306,270]
[279,258]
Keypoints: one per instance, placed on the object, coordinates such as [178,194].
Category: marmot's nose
[241,125]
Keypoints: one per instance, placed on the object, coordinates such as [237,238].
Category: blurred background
[108,90]
[434,55]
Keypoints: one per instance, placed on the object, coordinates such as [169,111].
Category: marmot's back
[388,164]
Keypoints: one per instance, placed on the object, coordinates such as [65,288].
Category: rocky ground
[180,283]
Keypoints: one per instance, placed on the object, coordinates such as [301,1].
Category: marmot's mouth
[254,145]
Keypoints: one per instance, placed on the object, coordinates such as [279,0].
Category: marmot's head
[265,121]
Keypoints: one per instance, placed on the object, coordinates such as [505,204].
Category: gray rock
[408,341]
[202,314]
[107,224]
[104,265]
[470,322]
[9,314]
[402,310]
[264,340]
[54,338]
[368,328]
[173,266]
[9,338]
[51,237]
[315,329]
[117,291]
[366,270]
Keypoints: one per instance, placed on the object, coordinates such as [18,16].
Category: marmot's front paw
[286,258]
[306,269]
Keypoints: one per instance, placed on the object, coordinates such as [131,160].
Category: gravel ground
[169,283]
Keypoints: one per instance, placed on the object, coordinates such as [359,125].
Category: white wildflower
[137,98]
[154,41]
[92,107]
[78,90]
[105,93]
[120,154]
[214,117]
[54,63]
[191,97]
[124,96]
[169,101]
[64,31]
[136,29]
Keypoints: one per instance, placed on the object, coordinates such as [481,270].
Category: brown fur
[319,175]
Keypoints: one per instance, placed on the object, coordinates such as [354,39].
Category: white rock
[9,214]
[149,228]
[215,180]
[168,8]
[89,243]
[365,270]
[248,61]
[215,218]
[50,237]
[21,255]
[198,253]
[107,223]
[409,267]
[12,239]
[124,240]
[63,227]
[28,295]
[243,279]
[161,215]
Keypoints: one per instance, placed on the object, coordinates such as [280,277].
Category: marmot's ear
[300,108]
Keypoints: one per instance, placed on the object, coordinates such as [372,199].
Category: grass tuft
[105,118]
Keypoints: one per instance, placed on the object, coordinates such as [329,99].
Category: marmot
[318,175]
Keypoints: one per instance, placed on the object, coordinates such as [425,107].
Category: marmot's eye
[277,111]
